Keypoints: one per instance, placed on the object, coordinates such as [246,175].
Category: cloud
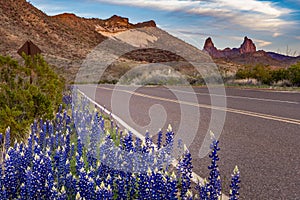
[257,42]
[297,37]
[276,34]
[261,43]
[252,14]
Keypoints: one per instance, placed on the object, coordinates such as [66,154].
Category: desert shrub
[279,75]
[294,74]
[265,75]
[28,92]
[262,74]
[243,74]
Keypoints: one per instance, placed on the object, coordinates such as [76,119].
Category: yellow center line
[231,110]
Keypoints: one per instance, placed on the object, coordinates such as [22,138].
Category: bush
[27,92]
[294,74]
[268,76]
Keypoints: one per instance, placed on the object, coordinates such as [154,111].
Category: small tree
[294,74]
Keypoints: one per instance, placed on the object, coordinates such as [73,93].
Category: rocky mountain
[65,39]
[247,54]
[246,47]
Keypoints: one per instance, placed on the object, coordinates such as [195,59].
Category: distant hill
[247,54]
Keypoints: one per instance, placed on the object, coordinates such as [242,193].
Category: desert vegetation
[266,75]
[28,91]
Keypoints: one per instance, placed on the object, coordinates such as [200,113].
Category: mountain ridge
[248,54]
[65,39]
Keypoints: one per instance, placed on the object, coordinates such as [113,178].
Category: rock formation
[247,47]
[210,48]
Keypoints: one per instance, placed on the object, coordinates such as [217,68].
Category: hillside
[64,39]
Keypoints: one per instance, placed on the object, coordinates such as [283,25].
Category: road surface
[261,132]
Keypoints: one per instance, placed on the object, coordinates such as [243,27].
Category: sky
[274,25]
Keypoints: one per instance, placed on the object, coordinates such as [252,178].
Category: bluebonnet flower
[34,127]
[67,99]
[70,188]
[148,141]
[215,186]
[138,145]
[23,194]
[38,176]
[143,186]
[235,181]
[156,184]
[169,140]
[159,139]
[171,184]
[79,147]
[7,139]
[79,163]
[120,184]
[83,183]
[203,190]
[30,183]
[50,129]
[91,188]
[54,193]
[185,170]
[128,142]
[42,135]
[78,197]
[49,184]
[62,195]
[10,173]
[132,186]
[61,167]
[103,193]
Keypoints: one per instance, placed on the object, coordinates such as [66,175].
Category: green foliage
[294,74]
[262,74]
[243,74]
[27,92]
[279,75]
[268,76]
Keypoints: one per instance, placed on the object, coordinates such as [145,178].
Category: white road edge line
[195,177]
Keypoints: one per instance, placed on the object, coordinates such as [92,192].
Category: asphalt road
[261,132]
